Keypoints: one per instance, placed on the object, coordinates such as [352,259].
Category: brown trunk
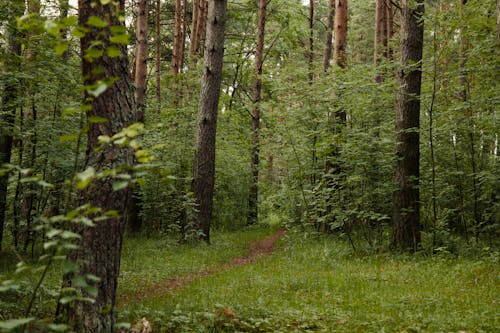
[158,56]
[141,58]
[253,198]
[498,22]
[176,60]
[204,157]
[184,34]
[340,43]
[381,35]
[406,217]
[311,42]
[193,40]
[329,35]
[9,103]
[202,22]
[100,246]
[390,27]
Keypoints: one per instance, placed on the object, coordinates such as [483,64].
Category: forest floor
[263,280]
[256,249]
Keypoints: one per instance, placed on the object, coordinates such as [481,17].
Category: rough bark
[390,27]
[329,35]
[253,197]
[204,157]
[498,22]
[100,246]
[202,22]
[340,29]
[406,215]
[9,104]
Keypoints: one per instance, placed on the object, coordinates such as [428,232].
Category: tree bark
[100,246]
[381,36]
[193,45]
[204,157]
[141,58]
[329,35]
[406,216]
[311,42]
[176,60]
[158,56]
[202,23]
[253,198]
[9,103]
[340,42]
[390,27]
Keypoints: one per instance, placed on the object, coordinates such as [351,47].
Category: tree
[406,215]
[141,58]
[100,246]
[253,197]
[329,35]
[204,156]
[8,104]
[340,30]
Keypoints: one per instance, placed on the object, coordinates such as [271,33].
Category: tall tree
[380,50]
[340,29]
[9,102]
[193,46]
[253,197]
[158,56]
[311,42]
[329,35]
[406,215]
[141,58]
[204,157]
[100,246]
[176,51]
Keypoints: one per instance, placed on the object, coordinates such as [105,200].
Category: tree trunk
[202,22]
[498,22]
[340,43]
[381,35]
[329,35]
[406,216]
[193,40]
[100,246]
[141,58]
[390,27]
[253,198]
[158,56]
[176,60]
[204,157]
[311,42]
[9,103]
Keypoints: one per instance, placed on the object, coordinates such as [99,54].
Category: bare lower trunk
[253,197]
[100,247]
[204,157]
[340,29]
[329,35]
[406,217]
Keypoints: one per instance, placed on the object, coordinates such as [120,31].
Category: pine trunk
[340,43]
[406,217]
[253,198]
[329,35]
[100,246]
[204,157]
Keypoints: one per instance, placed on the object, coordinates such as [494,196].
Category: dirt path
[258,249]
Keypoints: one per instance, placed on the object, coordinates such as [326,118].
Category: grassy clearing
[319,285]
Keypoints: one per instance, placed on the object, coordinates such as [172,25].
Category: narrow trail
[257,249]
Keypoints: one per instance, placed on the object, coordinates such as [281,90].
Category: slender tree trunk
[204,157]
[311,42]
[9,104]
[329,35]
[100,246]
[340,29]
[176,60]
[498,22]
[158,56]
[141,58]
[390,27]
[193,45]
[253,198]
[184,34]
[202,22]
[406,217]
[381,35]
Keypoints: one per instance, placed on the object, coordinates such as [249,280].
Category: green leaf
[12,324]
[61,47]
[93,53]
[57,327]
[67,299]
[70,267]
[70,235]
[96,22]
[51,27]
[79,32]
[113,51]
[98,89]
[105,2]
[68,137]
[53,232]
[120,38]
[97,120]
[117,186]
[85,177]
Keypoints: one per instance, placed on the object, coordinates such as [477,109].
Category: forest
[249,166]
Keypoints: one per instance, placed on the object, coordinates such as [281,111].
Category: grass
[319,285]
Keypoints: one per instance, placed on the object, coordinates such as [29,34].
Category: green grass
[319,285]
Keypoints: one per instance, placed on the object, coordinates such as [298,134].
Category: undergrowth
[317,284]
